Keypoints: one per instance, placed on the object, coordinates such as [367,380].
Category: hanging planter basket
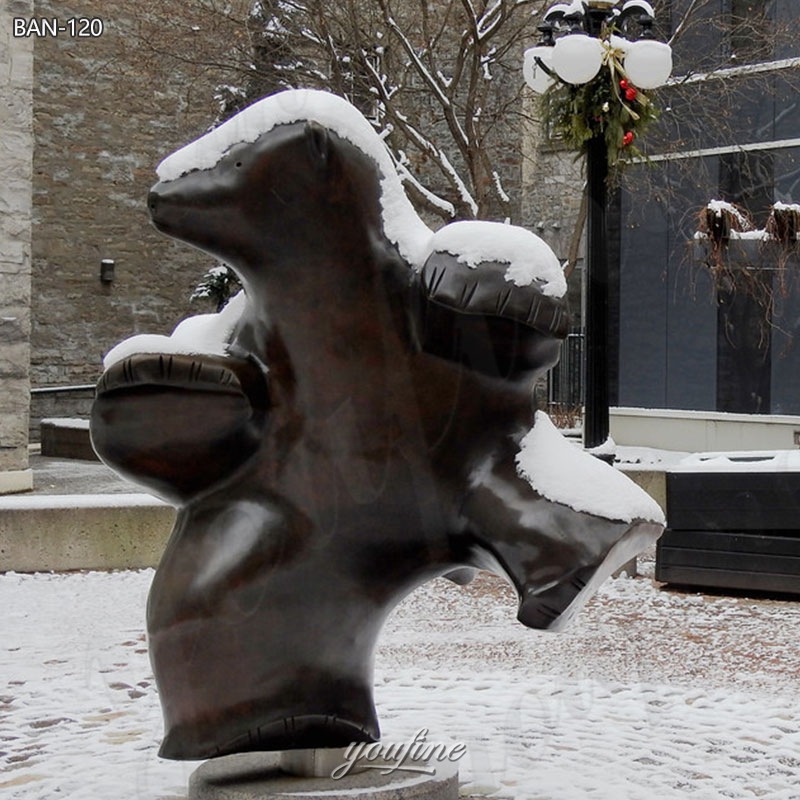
[783,224]
[761,263]
[719,221]
[726,238]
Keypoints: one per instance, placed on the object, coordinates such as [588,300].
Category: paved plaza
[651,693]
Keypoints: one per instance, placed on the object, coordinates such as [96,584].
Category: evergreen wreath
[609,106]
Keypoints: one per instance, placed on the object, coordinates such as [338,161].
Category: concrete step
[42,533]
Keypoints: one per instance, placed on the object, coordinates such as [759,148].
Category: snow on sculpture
[348,428]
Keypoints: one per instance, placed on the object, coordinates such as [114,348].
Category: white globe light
[534,75]
[619,43]
[648,63]
[577,58]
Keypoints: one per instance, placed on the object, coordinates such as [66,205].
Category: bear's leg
[554,556]
[259,639]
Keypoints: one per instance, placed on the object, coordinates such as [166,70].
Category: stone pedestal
[16,152]
[264,776]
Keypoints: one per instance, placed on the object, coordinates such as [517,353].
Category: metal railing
[565,385]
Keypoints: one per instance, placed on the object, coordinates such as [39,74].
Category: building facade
[106,110]
[729,129]
[689,337]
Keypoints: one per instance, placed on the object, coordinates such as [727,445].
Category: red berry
[628,138]
[623,84]
[630,93]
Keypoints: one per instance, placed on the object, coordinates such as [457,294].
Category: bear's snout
[152,203]
[170,201]
[196,210]
[156,205]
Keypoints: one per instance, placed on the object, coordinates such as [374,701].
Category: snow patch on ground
[24,502]
[649,694]
[647,458]
[744,461]
[66,422]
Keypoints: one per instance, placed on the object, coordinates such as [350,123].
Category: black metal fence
[565,385]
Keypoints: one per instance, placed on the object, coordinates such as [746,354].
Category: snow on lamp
[643,6]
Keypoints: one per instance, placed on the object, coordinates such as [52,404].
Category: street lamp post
[595,412]
[579,39]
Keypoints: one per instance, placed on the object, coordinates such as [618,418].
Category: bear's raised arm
[179,424]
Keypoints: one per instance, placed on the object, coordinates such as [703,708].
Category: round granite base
[258,776]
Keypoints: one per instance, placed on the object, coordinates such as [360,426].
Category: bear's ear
[318,144]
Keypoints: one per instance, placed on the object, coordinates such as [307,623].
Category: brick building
[88,111]
[106,110]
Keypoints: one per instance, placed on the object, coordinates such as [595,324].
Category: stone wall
[107,109]
[16,144]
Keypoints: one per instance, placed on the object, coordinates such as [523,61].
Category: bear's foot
[552,608]
[555,557]
[303,731]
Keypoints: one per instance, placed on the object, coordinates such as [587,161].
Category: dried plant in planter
[748,261]
[783,224]
[718,221]
[783,227]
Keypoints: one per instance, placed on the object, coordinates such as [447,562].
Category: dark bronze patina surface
[358,439]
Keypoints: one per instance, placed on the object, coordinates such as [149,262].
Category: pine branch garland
[609,106]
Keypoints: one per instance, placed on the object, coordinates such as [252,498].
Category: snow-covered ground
[650,694]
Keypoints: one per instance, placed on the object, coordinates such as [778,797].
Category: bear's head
[296,208]
[269,208]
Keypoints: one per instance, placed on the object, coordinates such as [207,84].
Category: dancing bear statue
[356,422]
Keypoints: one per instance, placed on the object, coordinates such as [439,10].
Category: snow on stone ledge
[402,224]
[76,423]
[563,473]
[202,334]
[744,461]
[26,502]
[781,206]
[529,258]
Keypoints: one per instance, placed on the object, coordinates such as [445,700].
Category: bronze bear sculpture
[356,435]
